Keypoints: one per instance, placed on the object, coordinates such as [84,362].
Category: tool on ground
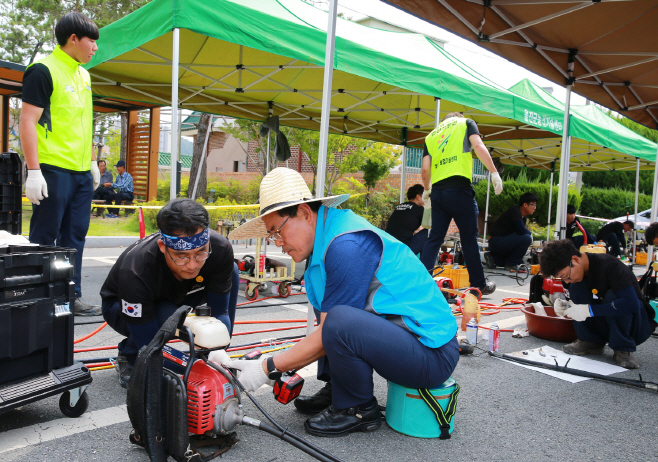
[568,370]
[466,348]
[288,386]
[204,406]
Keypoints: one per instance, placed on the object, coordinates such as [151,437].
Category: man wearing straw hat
[379,308]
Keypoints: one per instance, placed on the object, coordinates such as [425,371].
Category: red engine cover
[551,286]
[206,388]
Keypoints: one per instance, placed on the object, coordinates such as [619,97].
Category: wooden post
[154,152]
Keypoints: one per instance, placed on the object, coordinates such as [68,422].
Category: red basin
[549,327]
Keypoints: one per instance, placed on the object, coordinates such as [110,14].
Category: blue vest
[401,289]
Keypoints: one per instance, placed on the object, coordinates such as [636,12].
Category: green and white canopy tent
[252,58]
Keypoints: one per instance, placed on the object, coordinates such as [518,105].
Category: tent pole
[174,113]
[637,197]
[403,169]
[654,210]
[203,159]
[403,174]
[267,161]
[550,203]
[437,118]
[563,196]
[486,207]
[326,96]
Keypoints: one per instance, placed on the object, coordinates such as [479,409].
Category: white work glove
[577,312]
[251,375]
[560,306]
[426,197]
[95,174]
[35,186]
[497,183]
[219,357]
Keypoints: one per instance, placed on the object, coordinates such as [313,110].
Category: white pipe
[174,113]
[437,118]
[326,96]
[637,197]
[550,203]
[486,207]
[267,157]
[563,195]
[403,174]
[203,158]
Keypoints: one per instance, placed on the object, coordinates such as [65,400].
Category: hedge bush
[234,190]
[512,190]
[611,202]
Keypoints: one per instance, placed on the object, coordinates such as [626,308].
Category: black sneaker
[316,403]
[80,308]
[339,422]
[124,369]
[488,289]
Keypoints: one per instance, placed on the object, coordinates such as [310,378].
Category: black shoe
[488,289]
[125,370]
[316,403]
[80,308]
[339,422]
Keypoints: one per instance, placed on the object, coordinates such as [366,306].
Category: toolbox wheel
[77,410]
[251,294]
[284,290]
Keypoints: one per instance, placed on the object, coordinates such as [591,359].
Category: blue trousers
[510,249]
[164,310]
[622,333]
[357,342]
[417,241]
[458,204]
[63,217]
[118,198]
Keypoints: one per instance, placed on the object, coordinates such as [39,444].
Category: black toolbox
[36,319]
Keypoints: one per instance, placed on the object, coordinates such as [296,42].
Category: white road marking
[512,291]
[54,429]
[108,260]
[507,323]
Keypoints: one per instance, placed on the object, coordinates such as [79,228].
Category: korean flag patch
[133,310]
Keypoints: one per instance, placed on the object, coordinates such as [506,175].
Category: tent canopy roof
[248,58]
[612,43]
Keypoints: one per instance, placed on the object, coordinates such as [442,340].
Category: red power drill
[287,387]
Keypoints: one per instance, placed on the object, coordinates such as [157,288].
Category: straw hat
[280,188]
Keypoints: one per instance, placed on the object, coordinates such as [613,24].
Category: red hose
[81,339]
[263,344]
[267,298]
[268,330]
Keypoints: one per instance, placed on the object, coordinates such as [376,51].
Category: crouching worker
[510,238]
[404,224]
[380,309]
[184,264]
[573,226]
[605,302]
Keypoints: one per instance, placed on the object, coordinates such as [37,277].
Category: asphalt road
[504,412]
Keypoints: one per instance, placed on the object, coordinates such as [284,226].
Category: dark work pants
[622,333]
[63,217]
[510,249]
[118,198]
[417,241]
[613,241]
[357,342]
[164,310]
[458,204]
[102,193]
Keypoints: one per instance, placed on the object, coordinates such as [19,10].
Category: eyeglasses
[182,261]
[276,236]
[568,278]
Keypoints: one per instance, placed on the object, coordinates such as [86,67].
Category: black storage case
[11,192]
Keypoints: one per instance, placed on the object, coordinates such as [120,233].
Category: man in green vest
[448,167]
[56,128]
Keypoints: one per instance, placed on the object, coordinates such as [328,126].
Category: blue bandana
[186,242]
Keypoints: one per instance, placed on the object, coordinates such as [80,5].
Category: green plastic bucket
[407,413]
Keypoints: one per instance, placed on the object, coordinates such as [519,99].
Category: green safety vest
[450,150]
[65,135]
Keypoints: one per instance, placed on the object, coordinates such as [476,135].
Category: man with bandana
[185,263]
